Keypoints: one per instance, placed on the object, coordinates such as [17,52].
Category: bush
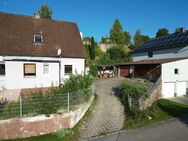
[56,98]
[135,90]
[11,109]
[75,83]
[41,103]
[93,70]
[51,101]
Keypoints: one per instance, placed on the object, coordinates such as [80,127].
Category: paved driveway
[174,130]
[108,114]
[180,99]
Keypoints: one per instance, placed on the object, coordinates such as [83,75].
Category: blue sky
[95,17]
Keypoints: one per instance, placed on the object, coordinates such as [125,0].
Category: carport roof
[152,61]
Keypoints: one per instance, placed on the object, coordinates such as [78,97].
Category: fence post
[68,99]
[93,89]
[130,102]
[21,105]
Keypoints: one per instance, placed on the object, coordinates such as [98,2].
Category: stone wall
[154,96]
[39,125]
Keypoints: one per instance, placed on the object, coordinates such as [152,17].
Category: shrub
[75,83]
[56,98]
[40,103]
[11,109]
[135,90]
[93,70]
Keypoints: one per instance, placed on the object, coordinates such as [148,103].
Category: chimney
[37,15]
[180,30]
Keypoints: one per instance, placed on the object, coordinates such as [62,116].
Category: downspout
[60,71]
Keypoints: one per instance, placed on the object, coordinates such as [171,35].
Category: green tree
[140,39]
[104,40]
[88,57]
[145,38]
[92,50]
[45,12]
[116,53]
[137,38]
[117,35]
[127,37]
[162,32]
[98,53]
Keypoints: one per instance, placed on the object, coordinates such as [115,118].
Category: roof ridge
[27,16]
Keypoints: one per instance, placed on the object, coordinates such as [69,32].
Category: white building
[32,50]
[164,58]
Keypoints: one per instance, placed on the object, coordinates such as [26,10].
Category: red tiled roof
[152,61]
[17,37]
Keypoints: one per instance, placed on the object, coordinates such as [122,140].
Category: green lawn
[160,111]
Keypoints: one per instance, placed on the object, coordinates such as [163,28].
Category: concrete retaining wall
[39,125]
[155,95]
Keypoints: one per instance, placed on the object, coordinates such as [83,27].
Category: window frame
[44,69]
[150,54]
[31,75]
[65,69]
[35,39]
[4,70]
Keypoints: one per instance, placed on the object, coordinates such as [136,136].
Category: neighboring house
[37,53]
[162,58]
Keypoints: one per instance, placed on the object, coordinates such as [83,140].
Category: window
[29,69]
[46,69]
[68,69]
[2,69]
[38,39]
[150,54]
[176,71]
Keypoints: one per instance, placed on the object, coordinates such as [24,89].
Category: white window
[29,69]
[38,39]
[2,69]
[68,69]
[46,69]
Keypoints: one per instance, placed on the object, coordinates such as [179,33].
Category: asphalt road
[173,130]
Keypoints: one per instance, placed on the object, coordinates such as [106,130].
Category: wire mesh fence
[49,103]
[138,102]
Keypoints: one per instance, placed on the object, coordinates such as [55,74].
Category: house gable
[18,32]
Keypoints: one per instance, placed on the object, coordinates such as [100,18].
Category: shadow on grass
[173,109]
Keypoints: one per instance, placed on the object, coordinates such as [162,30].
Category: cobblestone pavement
[108,113]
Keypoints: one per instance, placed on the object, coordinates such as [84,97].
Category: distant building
[104,47]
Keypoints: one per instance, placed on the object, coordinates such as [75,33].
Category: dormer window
[38,39]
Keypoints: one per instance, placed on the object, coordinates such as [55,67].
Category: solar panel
[172,39]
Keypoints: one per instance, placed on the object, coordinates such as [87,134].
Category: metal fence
[137,102]
[38,103]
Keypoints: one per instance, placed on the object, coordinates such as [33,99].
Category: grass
[64,134]
[162,110]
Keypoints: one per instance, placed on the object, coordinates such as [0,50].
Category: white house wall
[174,83]
[15,79]
[162,54]
[78,66]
